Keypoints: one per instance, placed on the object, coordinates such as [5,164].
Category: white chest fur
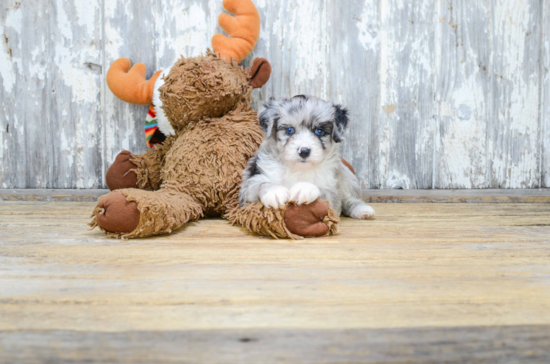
[324,175]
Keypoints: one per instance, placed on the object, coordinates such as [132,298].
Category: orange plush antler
[131,86]
[243,30]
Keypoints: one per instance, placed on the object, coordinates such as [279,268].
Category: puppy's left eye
[290,131]
[319,132]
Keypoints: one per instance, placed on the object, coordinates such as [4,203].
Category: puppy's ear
[269,118]
[340,121]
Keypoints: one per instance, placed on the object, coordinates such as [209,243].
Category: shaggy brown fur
[197,172]
[149,165]
[271,222]
[205,87]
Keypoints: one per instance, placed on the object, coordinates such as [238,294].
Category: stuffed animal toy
[202,106]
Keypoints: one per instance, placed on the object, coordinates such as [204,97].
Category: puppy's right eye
[290,131]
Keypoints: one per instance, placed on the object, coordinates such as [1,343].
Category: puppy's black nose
[304,152]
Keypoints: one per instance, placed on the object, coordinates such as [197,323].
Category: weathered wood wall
[444,93]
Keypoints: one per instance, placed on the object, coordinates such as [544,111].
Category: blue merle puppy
[299,159]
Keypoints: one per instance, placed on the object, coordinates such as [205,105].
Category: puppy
[299,160]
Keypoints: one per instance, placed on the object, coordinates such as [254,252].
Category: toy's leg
[295,222]
[120,174]
[134,171]
[138,170]
[133,213]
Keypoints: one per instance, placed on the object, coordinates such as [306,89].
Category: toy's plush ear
[341,121]
[259,72]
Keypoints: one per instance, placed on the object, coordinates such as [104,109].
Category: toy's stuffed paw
[310,220]
[304,193]
[118,175]
[117,215]
[276,197]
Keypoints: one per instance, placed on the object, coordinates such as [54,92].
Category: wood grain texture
[13,148]
[420,283]
[545,96]
[477,344]
[463,93]
[443,93]
[406,125]
[514,129]
[369,195]
[130,31]
[75,114]
[294,39]
[51,76]
[354,81]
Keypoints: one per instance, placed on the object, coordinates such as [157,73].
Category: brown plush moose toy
[203,106]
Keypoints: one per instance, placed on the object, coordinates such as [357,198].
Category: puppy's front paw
[276,197]
[363,212]
[304,193]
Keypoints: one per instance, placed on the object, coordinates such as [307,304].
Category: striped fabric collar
[152,133]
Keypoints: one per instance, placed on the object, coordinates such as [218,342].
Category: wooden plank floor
[539,195]
[423,283]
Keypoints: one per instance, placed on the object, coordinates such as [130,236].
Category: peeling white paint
[67,146]
[455,96]
[192,32]
[86,14]
[80,144]
[83,84]
[368,33]
[398,181]
[62,21]
[7,71]
[516,159]
[309,45]
[14,19]
[114,41]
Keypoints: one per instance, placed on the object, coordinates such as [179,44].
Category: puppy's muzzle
[304,152]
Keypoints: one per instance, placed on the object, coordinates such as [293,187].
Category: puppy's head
[304,129]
